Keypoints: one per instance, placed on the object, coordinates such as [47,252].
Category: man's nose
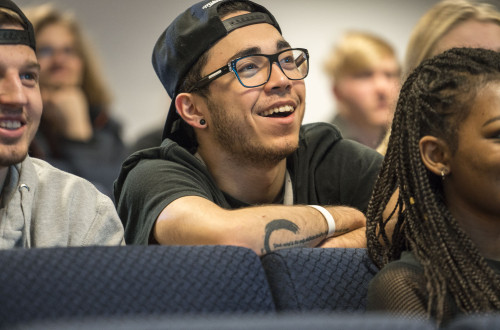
[11,90]
[278,77]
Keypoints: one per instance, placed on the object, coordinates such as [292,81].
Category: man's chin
[271,156]
[11,157]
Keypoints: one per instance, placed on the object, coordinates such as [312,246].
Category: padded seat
[316,279]
[57,283]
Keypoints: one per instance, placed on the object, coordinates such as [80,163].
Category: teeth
[285,108]
[10,124]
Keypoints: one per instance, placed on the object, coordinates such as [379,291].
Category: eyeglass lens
[255,70]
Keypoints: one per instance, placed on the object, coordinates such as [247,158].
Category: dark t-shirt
[325,170]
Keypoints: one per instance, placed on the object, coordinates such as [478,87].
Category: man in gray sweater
[40,206]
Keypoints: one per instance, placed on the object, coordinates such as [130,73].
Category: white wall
[124,33]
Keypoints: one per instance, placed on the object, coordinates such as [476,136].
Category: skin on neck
[365,133]
[244,180]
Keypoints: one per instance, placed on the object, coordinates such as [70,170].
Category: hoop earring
[202,121]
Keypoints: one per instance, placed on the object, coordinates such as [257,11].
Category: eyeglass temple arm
[208,78]
[301,59]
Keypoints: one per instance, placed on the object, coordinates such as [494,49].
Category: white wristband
[329,219]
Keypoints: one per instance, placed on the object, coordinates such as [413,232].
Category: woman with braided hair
[441,257]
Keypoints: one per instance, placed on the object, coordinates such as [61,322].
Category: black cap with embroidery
[190,35]
[17,37]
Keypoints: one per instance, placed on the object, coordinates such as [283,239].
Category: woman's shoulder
[406,264]
[399,287]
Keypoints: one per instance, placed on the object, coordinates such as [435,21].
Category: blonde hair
[438,21]
[93,83]
[8,16]
[356,52]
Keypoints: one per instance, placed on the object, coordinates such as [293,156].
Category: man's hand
[350,228]
[353,239]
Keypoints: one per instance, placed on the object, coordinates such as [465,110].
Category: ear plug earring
[202,121]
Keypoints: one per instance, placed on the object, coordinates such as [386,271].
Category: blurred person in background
[448,24]
[365,77]
[77,133]
[453,23]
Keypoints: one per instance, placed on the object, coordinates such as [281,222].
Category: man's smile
[283,111]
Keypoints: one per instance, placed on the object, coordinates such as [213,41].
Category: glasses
[255,70]
[49,51]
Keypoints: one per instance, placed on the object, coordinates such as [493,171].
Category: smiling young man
[40,206]
[236,166]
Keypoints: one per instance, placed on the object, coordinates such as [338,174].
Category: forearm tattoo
[341,231]
[279,224]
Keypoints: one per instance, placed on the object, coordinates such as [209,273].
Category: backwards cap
[17,37]
[190,35]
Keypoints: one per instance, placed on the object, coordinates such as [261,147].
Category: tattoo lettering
[277,225]
[300,242]
[290,226]
[341,231]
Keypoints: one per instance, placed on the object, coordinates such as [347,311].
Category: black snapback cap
[190,35]
[17,37]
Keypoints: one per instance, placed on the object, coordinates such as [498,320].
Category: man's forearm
[306,227]
[284,224]
[260,228]
[347,219]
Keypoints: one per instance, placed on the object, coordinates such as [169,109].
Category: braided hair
[437,96]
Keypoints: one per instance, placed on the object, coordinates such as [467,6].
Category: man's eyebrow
[32,65]
[283,44]
[280,45]
[489,121]
[246,52]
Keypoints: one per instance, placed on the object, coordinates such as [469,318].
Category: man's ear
[188,107]
[435,155]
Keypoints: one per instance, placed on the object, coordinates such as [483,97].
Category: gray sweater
[42,206]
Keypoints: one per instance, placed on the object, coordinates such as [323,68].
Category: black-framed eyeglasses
[255,70]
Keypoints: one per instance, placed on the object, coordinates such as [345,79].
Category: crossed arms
[260,228]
